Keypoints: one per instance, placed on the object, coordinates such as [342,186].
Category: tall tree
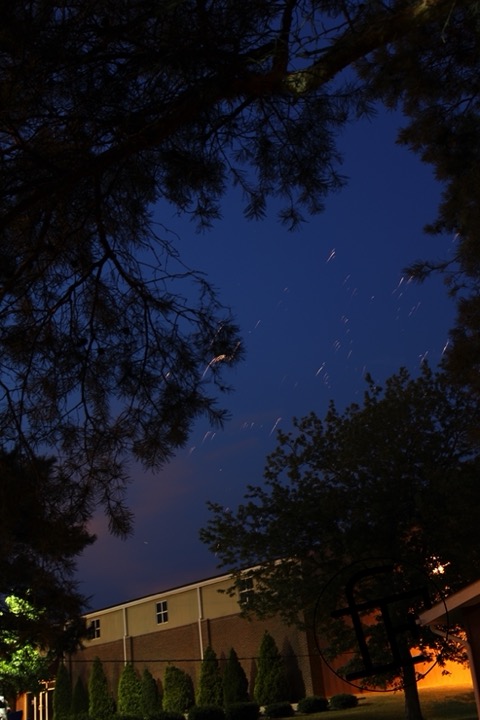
[43,530]
[108,343]
[395,478]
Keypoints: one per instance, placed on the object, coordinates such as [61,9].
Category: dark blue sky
[317,308]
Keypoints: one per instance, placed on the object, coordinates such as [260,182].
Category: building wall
[199,615]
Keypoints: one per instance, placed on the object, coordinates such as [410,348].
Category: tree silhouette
[111,348]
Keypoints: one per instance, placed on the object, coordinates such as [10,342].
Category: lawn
[437,704]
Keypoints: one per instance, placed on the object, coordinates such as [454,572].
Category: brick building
[175,626]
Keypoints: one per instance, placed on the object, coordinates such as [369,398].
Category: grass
[437,704]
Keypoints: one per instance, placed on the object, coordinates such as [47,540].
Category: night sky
[317,309]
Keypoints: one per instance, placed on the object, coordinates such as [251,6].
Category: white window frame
[161,610]
[95,628]
[245,590]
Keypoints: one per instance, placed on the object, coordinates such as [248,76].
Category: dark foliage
[178,693]
[42,531]
[279,710]
[312,704]
[210,686]
[399,455]
[206,712]
[234,679]
[242,711]
[343,701]
[62,695]
[111,348]
[270,681]
[168,715]
[150,695]
[129,693]
[79,699]
[101,703]
[330,485]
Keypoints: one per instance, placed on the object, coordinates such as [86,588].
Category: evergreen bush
[129,693]
[312,704]
[210,686]
[151,700]
[343,701]
[169,715]
[100,703]
[62,695]
[242,711]
[206,712]
[279,710]
[178,695]
[235,683]
[270,682]
[79,700]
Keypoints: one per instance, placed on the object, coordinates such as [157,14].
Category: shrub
[312,704]
[270,682]
[80,700]
[206,712]
[101,703]
[242,711]
[210,687]
[178,695]
[62,695]
[279,710]
[235,683]
[151,699]
[343,701]
[167,715]
[129,693]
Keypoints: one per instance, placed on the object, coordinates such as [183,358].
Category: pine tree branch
[377,32]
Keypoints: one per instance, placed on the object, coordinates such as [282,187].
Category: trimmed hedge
[312,704]
[160,715]
[206,712]
[343,701]
[242,711]
[167,715]
[279,710]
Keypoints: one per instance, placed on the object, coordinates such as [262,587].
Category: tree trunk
[413,710]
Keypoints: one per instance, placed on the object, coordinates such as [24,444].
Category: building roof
[154,596]
[448,611]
